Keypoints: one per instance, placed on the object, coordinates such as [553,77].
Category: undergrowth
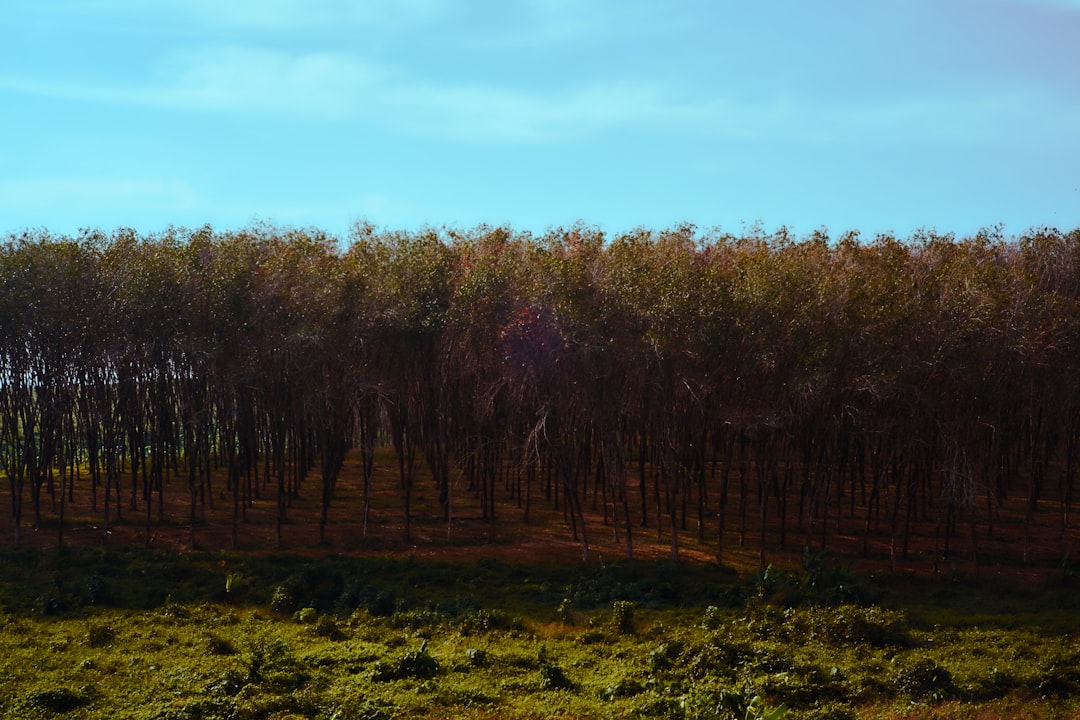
[124,635]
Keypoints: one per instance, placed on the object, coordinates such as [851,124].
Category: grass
[122,634]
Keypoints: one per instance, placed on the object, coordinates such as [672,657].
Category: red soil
[547,537]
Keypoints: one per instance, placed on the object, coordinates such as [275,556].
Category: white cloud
[346,87]
[315,85]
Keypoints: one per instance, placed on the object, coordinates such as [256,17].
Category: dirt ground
[548,535]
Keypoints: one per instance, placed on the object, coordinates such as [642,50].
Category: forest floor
[1016,549]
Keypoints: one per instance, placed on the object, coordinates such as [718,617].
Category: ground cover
[120,633]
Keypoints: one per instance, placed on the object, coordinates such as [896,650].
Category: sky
[890,116]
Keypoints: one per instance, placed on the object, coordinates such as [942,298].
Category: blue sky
[882,116]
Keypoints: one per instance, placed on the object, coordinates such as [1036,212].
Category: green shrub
[269,659]
[830,711]
[417,619]
[56,700]
[846,624]
[218,645]
[1059,681]
[481,621]
[763,619]
[564,612]
[174,610]
[873,625]
[417,664]
[100,636]
[200,709]
[622,616]
[552,677]
[829,582]
[361,709]
[713,659]
[382,604]
[626,687]
[713,618]
[709,702]
[96,591]
[282,600]
[306,616]
[327,627]
[925,679]
[594,636]
[803,687]
[660,658]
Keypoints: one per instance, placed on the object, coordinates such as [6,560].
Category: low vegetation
[111,634]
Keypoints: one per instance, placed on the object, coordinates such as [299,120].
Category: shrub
[416,619]
[477,657]
[96,591]
[564,612]
[727,703]
[1059,680]
[482,621]
[713,618]
[831,711]
[848,624]
[417,664]
[56,700]
[201,709]
[593,637]
[327,627]
[712,659]
[100,636]
[267,656]
[174,610]
[306,616]
[361,709]
[626,687]
[282,600]
[830,581]
[622,616]
[218,645]
[552,677]
[659,659]
[803,687]
[382,604]
[925,679]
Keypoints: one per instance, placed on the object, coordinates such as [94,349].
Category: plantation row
[889,388]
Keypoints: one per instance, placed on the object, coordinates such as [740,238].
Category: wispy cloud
[347,87]
[313,86]
[344,87]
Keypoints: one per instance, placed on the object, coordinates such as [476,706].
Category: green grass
[87,634]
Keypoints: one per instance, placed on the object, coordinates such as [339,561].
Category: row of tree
[896,384]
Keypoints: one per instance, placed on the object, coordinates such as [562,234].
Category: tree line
[676,380]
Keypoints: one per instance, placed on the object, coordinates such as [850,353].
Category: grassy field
[124,634]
